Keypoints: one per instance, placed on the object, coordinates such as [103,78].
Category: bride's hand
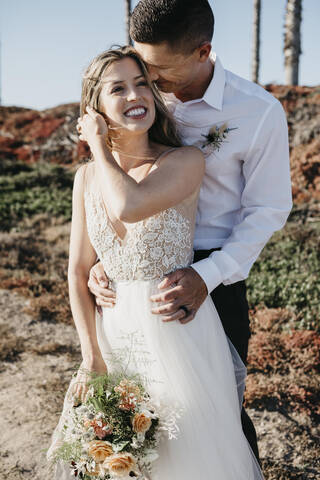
[80,387]
[91,126]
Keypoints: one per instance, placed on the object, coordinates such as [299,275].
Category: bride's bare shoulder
[189,151]
[190,157]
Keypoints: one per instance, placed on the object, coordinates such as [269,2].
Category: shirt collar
[214,94]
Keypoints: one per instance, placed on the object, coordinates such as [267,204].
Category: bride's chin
[137,129]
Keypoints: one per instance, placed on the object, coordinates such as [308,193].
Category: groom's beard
[165,87]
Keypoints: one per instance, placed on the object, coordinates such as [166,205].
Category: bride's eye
[142,83]
[116,89]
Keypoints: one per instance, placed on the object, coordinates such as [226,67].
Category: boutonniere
[214,138]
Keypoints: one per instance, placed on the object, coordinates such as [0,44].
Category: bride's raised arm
[178,175]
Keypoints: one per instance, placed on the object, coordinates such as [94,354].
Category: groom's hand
[98,285]
[188,290]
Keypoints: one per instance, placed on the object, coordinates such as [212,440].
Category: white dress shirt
[246,191]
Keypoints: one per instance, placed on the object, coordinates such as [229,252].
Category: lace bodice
[151,248]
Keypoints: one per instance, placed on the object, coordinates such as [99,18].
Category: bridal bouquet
[115,432]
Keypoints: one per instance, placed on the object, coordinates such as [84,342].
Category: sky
[46,45]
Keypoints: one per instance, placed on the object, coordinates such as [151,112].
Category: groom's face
[171,71]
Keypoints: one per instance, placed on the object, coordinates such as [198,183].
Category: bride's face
[126,99]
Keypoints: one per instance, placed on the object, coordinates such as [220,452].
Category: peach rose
[121,464]
[141,423]
[100,450]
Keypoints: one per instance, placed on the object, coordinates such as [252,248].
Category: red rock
[44,127]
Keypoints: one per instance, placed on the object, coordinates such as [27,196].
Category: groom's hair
[183,24]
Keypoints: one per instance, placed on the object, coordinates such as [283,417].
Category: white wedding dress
[194,366]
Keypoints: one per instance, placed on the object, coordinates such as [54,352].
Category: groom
[246,192]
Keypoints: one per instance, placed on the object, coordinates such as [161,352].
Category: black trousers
[232,306]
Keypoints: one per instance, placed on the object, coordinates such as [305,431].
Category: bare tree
[0,73]
[292,41]
[256,41]
[128,13]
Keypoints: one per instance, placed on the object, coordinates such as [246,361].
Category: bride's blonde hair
[163,130]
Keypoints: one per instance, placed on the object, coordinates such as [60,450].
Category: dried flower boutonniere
[214,138]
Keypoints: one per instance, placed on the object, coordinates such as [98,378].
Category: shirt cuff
[210,269]
[209,273]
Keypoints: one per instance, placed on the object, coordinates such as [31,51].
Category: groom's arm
[266,202]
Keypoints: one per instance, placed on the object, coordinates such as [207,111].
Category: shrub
[286,275]
[27,190]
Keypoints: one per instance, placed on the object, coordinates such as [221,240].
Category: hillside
[50,136]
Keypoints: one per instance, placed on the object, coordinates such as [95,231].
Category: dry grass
[11,345]
[274,470]
[283,366]
[53,348]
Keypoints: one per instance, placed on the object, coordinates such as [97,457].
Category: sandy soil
[32,386]
[37,364]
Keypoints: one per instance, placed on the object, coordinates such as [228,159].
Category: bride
[134,207]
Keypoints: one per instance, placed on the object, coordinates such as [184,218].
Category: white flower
[146,411]
[141,436]
[135,443]
[150,456]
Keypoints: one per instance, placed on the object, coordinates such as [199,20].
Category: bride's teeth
[135,111]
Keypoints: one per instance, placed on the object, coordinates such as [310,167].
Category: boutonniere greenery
[214,138]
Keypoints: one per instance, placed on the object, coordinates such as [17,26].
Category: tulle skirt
[193,367]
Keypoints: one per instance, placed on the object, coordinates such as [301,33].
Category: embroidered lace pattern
[152,247]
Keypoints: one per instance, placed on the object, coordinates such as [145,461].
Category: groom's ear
[203,51]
